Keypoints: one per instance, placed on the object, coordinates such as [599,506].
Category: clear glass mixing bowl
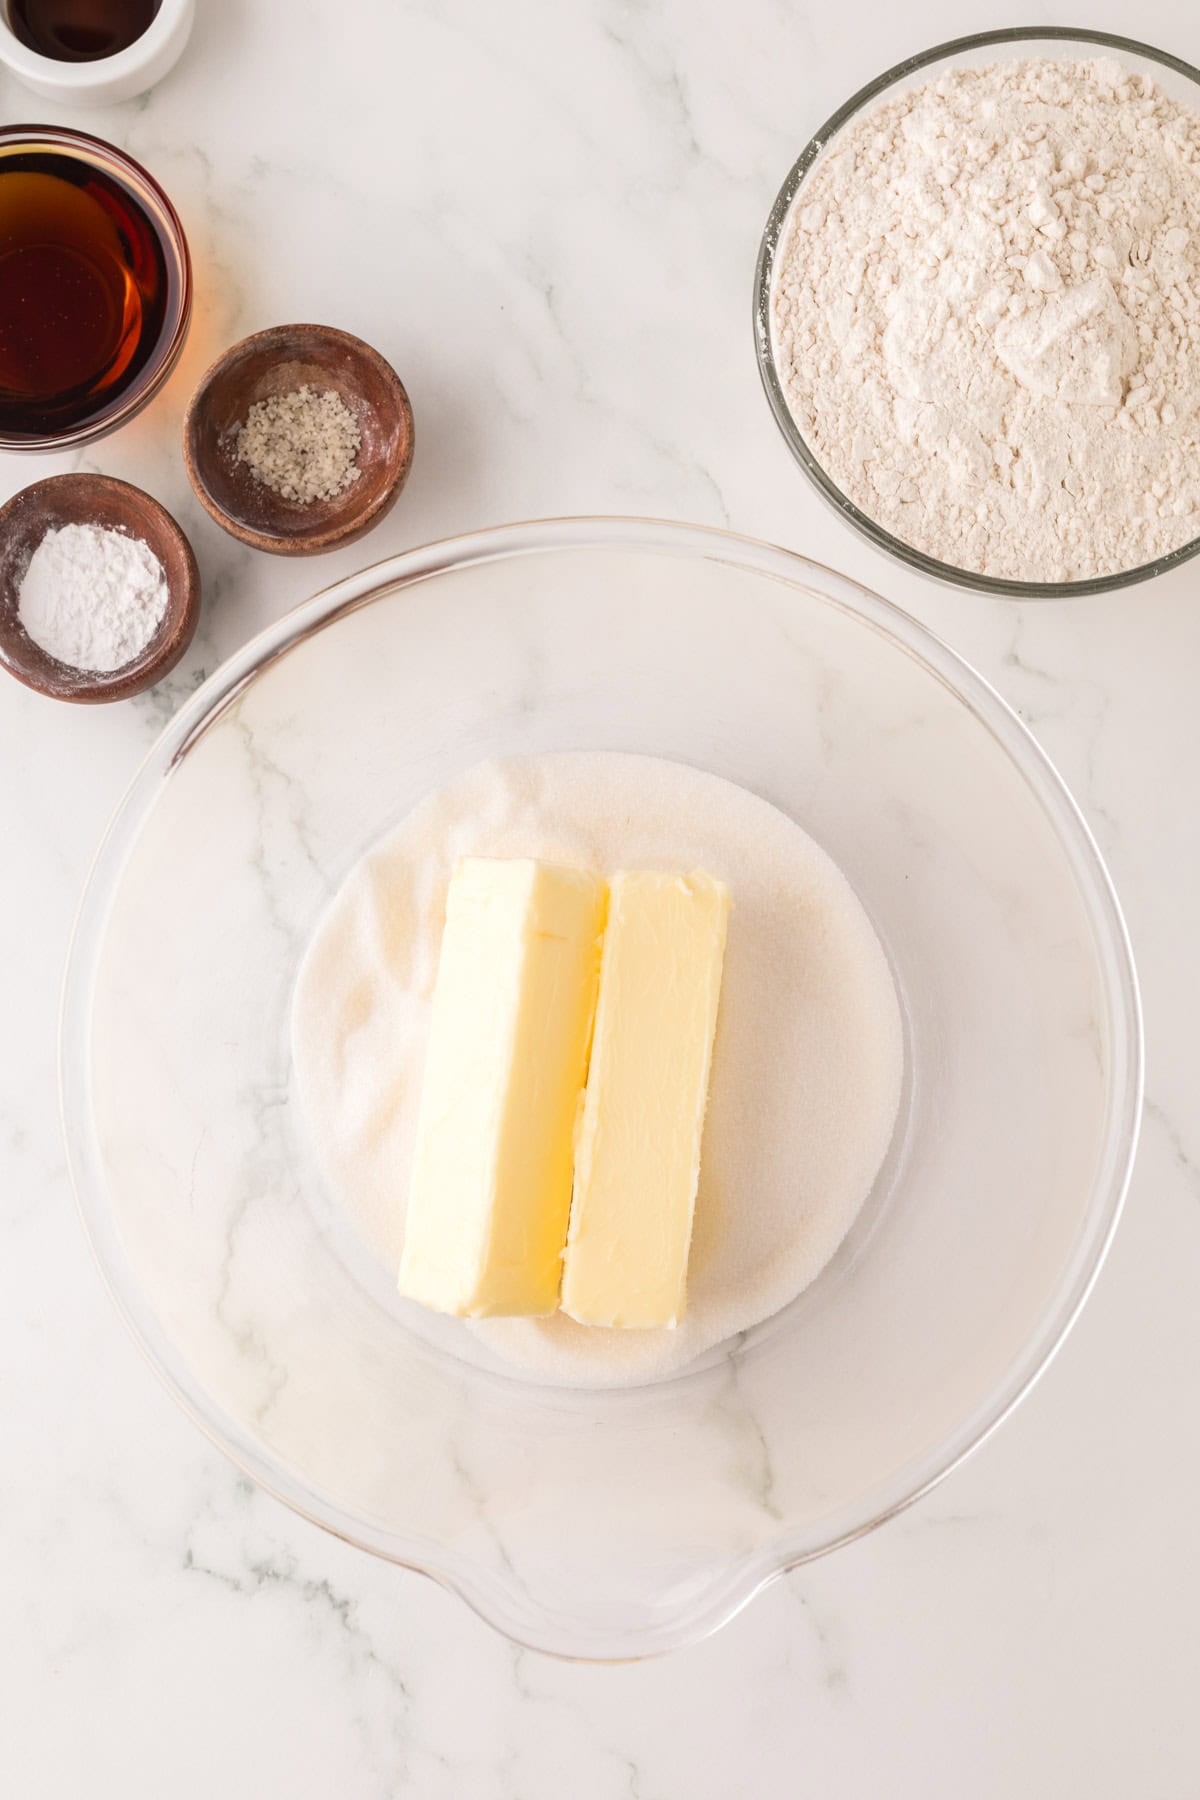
[600,1524]
[1050,42]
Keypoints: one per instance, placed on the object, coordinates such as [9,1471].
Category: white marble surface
[547,217]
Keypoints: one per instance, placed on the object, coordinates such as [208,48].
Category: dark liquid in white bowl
[80,30]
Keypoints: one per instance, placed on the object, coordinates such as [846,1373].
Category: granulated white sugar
[806,1071]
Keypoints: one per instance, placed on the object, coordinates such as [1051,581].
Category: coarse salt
[302,445]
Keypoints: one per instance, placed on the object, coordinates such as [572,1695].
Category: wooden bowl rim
[179,623]
[279,341]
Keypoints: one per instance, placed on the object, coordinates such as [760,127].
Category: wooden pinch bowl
[115,506]
[276,362]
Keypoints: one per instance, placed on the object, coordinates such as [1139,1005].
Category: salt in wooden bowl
[279,361]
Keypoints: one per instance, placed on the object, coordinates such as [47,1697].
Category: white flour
[806,1069]
[92,598]
[987,322]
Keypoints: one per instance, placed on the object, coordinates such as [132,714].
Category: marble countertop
[547,217]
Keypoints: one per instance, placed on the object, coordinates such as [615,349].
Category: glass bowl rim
[168,228]
[501,1603]
[764,270]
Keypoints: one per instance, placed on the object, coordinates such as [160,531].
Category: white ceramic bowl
[110,78]
[617,1523]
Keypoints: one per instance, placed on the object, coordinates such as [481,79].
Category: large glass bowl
[619,1523]
[1170,73]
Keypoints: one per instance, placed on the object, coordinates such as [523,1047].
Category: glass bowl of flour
[976,312]
[925,1085]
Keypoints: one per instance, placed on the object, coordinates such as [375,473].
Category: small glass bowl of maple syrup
[95,287]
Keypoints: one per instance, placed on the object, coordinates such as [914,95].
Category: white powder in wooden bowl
[92,597]
[806,1071]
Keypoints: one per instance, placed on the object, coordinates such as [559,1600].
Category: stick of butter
[504,1077]
[637,1161]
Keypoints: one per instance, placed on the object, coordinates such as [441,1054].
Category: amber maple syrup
[80,30]
[84,291]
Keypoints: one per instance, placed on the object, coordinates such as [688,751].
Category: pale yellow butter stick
[504,1075]
[637,1160]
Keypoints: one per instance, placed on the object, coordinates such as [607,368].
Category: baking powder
[987,324]
[92,598]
